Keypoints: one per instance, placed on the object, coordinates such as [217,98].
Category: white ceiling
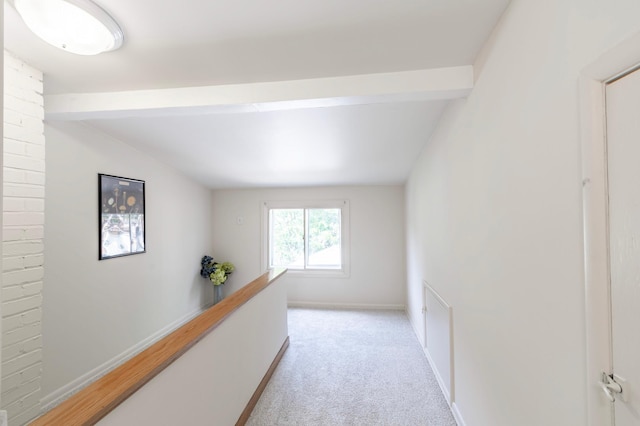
[366,129]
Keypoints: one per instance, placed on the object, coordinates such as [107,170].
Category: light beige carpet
[352,368]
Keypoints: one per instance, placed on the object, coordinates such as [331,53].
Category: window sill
[319,273]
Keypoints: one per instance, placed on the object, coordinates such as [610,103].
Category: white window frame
[343,205]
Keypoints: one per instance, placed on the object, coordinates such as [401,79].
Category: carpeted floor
[348,367]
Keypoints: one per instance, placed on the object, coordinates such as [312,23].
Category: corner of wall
[487,47]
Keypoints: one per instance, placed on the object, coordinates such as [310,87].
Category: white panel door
[623,152]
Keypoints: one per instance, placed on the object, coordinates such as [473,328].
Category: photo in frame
[122,220]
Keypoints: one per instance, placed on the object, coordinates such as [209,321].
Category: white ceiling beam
[430,84]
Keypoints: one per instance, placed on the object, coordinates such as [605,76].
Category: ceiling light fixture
[77,26]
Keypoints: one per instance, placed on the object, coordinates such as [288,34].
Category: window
[307,237]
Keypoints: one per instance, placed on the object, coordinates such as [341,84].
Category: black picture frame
[121,216]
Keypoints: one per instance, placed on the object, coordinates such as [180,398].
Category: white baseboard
[454,407]
[434,368]
[294,304]
[456,415]
[419,333]
[56,397]
[443,388]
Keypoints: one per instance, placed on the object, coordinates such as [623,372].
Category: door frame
[611,65]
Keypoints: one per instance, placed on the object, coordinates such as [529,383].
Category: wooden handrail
[96,400]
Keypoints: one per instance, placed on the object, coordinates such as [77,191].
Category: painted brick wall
[23,244]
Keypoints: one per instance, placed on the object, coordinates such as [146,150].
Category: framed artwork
[122,221]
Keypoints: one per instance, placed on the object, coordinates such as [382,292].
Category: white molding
[457,415]
[593,78]
[59,395]
[595,248]
[320,305]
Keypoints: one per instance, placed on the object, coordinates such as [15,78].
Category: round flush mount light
[77,26]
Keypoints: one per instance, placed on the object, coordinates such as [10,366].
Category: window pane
[325,247]
[286,237]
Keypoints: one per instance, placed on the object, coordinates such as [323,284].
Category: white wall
[1,178]
[95,310]
[22,238]
[494,215]
[213,381]
[377,275]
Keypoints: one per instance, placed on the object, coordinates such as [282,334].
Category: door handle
[610,387]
